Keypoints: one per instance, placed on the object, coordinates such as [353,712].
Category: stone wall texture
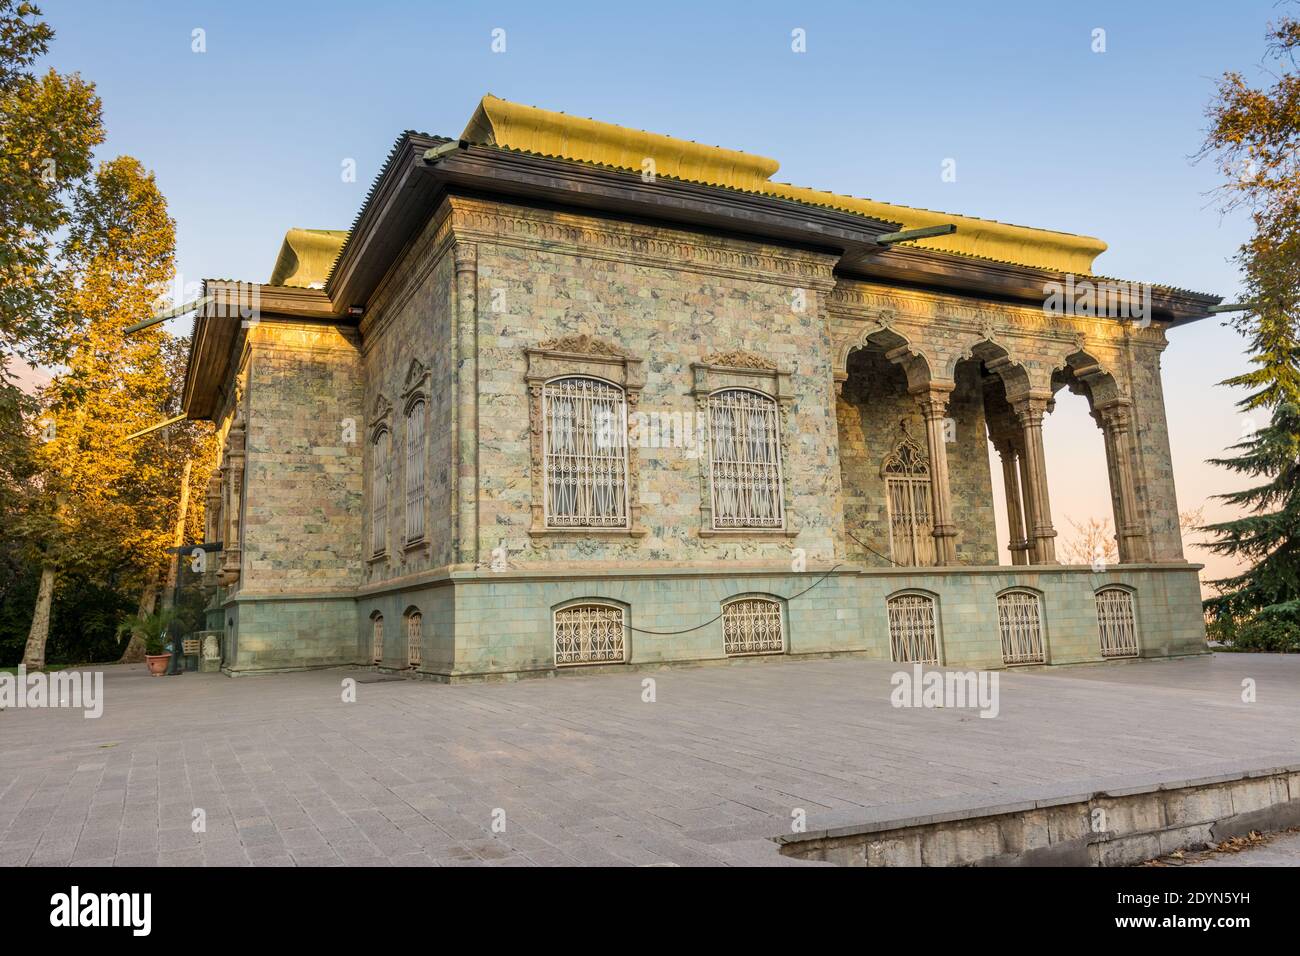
[483,283]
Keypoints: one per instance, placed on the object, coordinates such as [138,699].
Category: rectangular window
[745,460]
[1115,623]
[414,639]
[415,472]
[912,637]
[584,454]
[1021,624]
[379,493]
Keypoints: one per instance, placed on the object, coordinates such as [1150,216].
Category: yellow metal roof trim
[306,256]
[1025,245]
[498,122]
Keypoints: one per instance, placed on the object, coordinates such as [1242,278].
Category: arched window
[1020,620]
[415,456]
[379,480]
[584,453]
[907,498]
[912,635]
[1115,623]
[745,459]
[377,637]
[752,626]
[589,634]
[414,638]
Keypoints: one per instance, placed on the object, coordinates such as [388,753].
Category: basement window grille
[589,634]
[1020,621]
[912,637]
[1115,623]
[752,626]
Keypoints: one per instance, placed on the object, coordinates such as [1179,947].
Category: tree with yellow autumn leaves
[81,499]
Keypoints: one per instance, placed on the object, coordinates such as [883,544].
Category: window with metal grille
[1020,620]
[584,448]
[414,638]
[745,459]
[415,472]
[1115,623]
[907,499]
[379,492]
[589,634]
[912,637]
[752,626]
[377,638]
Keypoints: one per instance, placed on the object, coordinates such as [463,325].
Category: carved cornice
[854,300]
[655,247]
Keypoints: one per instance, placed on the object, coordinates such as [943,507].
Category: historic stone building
[568,393]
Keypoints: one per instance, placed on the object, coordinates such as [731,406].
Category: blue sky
[248,138]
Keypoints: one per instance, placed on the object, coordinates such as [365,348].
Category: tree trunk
[134,653]
[34,655]
[178,538]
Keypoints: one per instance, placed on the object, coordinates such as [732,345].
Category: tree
[1255,135]
[48,127]
[1269,535]
[107,502]
[1093,542]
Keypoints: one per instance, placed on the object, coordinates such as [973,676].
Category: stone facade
[327,422]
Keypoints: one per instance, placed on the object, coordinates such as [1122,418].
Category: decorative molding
[381,411]
[581,344]
[580,354]
[416,381]
[739,358]
[647,246]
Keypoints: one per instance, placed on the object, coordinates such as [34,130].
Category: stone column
[1117,426]
[234,474]
[1038,509]
[466,439]
[933,400]
[1017,542]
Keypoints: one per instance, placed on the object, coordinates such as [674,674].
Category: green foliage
[1268,535]
[150,628]
[49,125]
[1265,633]
[1255,136]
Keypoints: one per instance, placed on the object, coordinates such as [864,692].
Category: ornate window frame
[1107,624]
[905,623]
[413,637]
[570,615]
[741,613]
[745,371]
[415,391]
[914,476]
[585,357]
[377,637]
[1022,622]
[380,428]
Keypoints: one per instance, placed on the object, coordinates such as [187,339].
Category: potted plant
[152,630]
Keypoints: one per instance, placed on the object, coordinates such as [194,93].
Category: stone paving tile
[414,773]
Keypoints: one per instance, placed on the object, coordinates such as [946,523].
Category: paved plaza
[581,770]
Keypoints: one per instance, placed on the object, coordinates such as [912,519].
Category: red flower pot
[157,663]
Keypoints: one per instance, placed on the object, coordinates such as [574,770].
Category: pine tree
[1268,536]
